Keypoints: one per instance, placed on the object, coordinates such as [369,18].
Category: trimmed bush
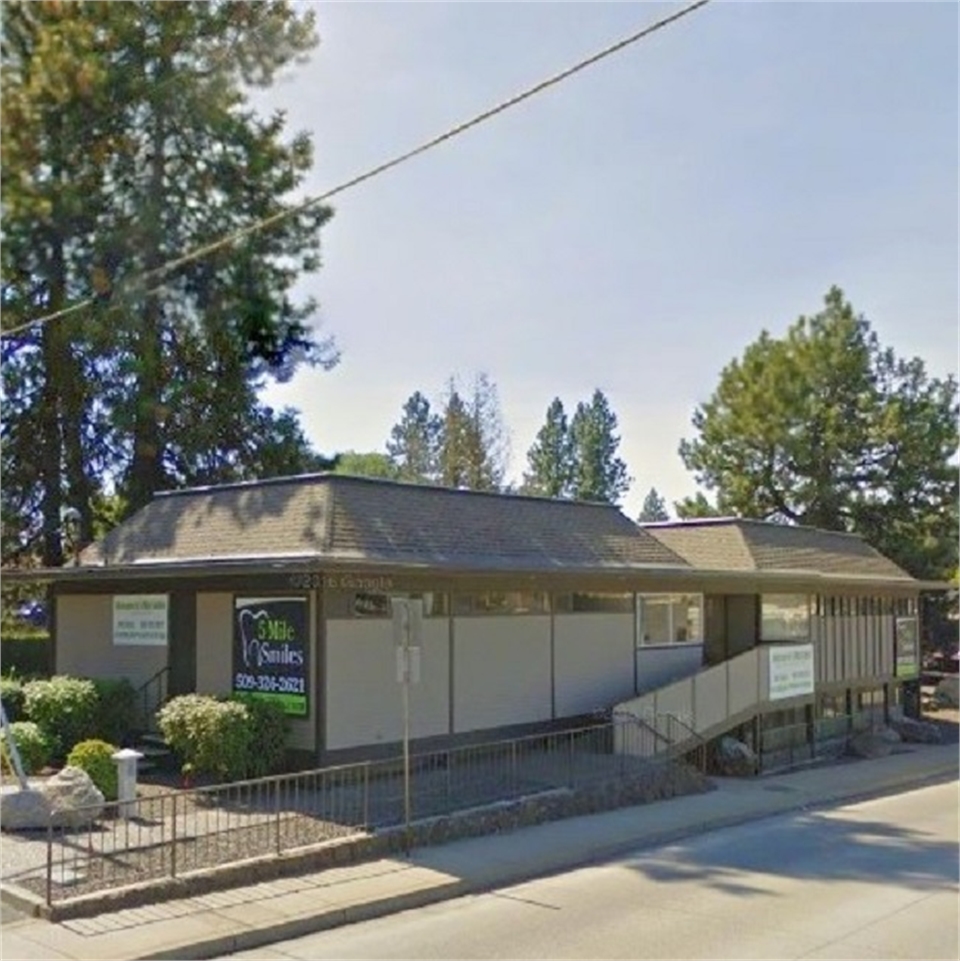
[26,653]
[268,736]
[230,739]
[11,690]
[65,708]
[32,744]
[96,758]
[116,710]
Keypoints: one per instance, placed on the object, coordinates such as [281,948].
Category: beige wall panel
[85,645]
[364,699]
[593,661]
[501,671]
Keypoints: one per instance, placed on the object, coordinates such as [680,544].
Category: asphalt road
[877,879]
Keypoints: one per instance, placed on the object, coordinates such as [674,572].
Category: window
[905,606]
[502,602]
[670,618]
[784,617]
[371,604]
[832,705]
[594,603]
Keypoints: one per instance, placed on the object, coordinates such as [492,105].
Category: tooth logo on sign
[248,636]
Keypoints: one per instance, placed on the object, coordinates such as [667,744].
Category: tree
[414,442]
[826,427]
[698,506]
[127,141]
[368,464]
[598,473]
[550,459]
[654,508]
[472,445]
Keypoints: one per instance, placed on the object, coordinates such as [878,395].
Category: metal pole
[406,728]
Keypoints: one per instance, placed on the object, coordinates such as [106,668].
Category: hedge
[26,653]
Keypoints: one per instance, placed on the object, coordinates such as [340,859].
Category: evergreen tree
[127,141]
[654,508]
[826,427]
[599,474]
[414,442]
[550,459]
[473,445]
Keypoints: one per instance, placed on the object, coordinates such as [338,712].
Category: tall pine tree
[599,474]
[550,459]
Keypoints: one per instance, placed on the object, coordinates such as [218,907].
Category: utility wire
[200,252]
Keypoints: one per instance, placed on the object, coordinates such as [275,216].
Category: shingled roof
[738,544]
[346,519]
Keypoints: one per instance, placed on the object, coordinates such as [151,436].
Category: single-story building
[537,612]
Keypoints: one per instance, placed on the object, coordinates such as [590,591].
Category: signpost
[407,636]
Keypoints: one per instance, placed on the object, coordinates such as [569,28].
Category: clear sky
[637,226]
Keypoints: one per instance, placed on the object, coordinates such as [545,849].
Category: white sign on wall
[791,670]
[141,619]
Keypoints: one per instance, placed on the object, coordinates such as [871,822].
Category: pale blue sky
[634,228]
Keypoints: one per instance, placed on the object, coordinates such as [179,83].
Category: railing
[177,832]
[659,735]
[150,697]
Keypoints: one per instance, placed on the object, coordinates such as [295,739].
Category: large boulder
[871,744]
[733,758]
[917,732]
[69,799]
[947,693]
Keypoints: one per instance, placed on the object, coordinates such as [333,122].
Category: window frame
[672,599]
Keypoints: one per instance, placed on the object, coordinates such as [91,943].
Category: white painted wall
[363,698]
[501,671]
[85,645]
[657,666]
[593,661]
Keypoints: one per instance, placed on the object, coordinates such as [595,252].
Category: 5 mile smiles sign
[270,645]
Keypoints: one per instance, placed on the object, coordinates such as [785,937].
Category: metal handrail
[148,706]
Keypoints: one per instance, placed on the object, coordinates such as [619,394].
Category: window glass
[436,605]
[371,605]
[670,618]
[784,617]
[502,602]
[595,603]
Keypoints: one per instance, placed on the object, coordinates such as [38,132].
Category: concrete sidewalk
[246,918]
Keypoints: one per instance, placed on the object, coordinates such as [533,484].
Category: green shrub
[64,707]
[11,691]
[116,710]
[32,745]
[229,739]
[26,652]
[268,735]
[96,758]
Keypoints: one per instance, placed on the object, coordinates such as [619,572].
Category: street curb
[254,938]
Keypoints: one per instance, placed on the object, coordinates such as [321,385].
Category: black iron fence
[177,832]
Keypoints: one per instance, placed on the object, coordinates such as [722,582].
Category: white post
[126,760]
[407,624]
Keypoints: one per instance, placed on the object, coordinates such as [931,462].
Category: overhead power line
[200,252]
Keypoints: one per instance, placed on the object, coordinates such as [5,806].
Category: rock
[74,799]
[870,744]
[733,758]
[948,691]
[24,810]
[917,732]
[69,799]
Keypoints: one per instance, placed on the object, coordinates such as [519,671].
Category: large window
[670,618]
[597,603]
[784,617]
[368,604]
[502,602]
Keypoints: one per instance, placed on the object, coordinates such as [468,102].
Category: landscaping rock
[870,744]
[917,732]
[733,758]
[947,693]
[23,810]
[75,800]
[69,799]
